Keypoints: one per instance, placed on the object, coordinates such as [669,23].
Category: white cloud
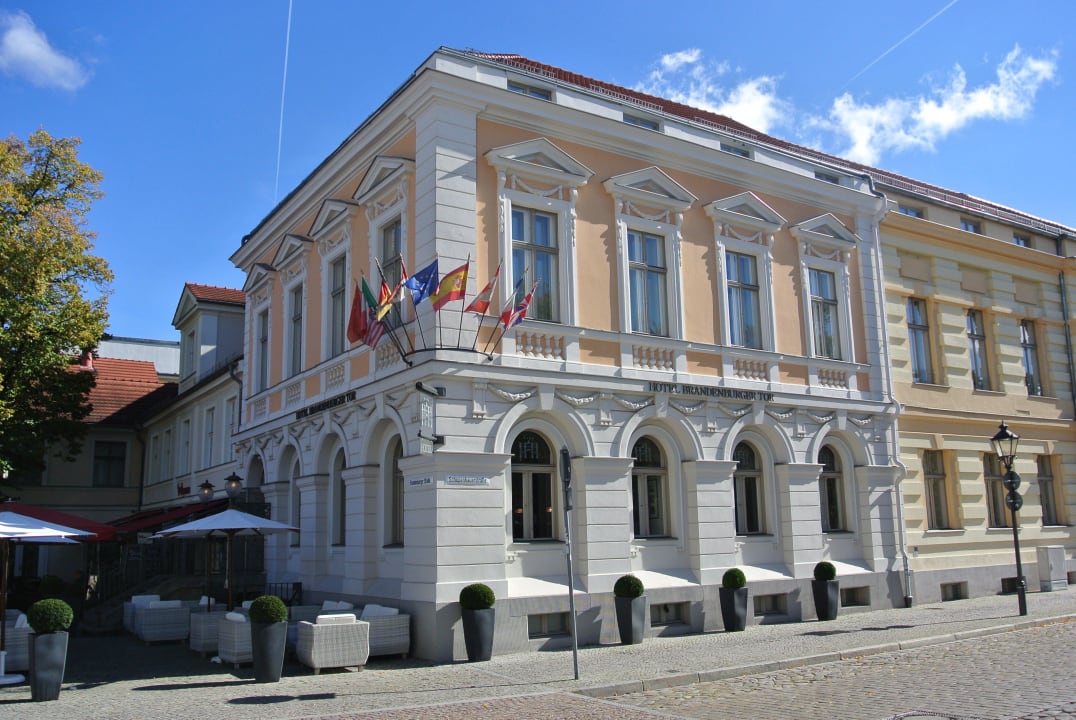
[684,77]
[869,130]
[25,52]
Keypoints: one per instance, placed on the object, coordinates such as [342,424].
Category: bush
[477,596]
[628,586]
[825,571]
[268,609]
[734,579]
[50,615]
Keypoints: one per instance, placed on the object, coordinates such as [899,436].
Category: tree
[53,298]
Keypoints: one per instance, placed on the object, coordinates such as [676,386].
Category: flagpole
[390,330]
[511,303]
[481,320]
[459,332]
[506,329]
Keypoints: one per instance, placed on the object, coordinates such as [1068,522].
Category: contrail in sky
[283,87]
[900,42]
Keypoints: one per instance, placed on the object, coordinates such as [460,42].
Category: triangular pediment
[187,304]
[260,273]
[293,247]
[825,229]
[746,210]
[651,187]
[331,212]
[539,158]
[384,172]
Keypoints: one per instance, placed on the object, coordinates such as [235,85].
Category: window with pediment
[825,247]
[385,193]
[292,257]
[649,210]
[537,189]
[258,291]
[331,230]
[744,228]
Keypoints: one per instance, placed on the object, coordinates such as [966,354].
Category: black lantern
[205,492]
[1004,443]
[233,485]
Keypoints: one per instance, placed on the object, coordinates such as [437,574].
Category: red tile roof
[212,293]
[124,389]
[727,124]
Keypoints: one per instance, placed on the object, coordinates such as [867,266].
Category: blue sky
[179,103]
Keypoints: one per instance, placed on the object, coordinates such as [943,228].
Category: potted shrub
[826,590]
[476,607]
[268,637]
[630,603]
[50,620]
[733,596]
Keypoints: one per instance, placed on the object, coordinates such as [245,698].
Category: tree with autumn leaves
[53,298]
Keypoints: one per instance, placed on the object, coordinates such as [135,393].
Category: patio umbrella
[227,524]
[16,527]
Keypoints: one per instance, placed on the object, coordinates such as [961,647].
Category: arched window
[394,496]
[534,503]
[749,491]
[339,500]
[831,491]
[649,490]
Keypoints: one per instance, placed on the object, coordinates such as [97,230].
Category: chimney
[85,361]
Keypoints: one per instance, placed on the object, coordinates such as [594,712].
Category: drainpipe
[887,374]
[1065,316]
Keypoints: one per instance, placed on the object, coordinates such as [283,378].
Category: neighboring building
[706,343]
[164,354]
[980,332]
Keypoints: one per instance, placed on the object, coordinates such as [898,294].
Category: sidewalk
[119,677]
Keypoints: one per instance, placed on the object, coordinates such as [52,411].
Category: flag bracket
[435,439]
[435,391]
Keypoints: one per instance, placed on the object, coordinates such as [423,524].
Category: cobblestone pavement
[969,659]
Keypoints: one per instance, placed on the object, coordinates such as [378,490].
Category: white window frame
[258,289]
[166,454]
[527,471]
[539,176]
[393,495]
[296,501]
[671,484]
[295,310]
[530,272]
[769,520]
[385,195]
[979,355]
[843,492]
[331,230]
[746,225]
[650,201]
[183,448]
[826,244]
[648,269]
[920,334]
[997,512]
[1029,355]
[1051,499]
[937,491]
[209,430]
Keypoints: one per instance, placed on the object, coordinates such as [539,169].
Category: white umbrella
[16,527]
[228,523]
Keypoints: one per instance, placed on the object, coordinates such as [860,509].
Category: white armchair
[129,609]
[18,644]
[162,620]
[233,639]
[333,641]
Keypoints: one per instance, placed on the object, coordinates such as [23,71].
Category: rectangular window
[911,211]
[183,451]
[166,456]
[189,354]
[109,464]
[1029,347]
[1021,240]
[745,324]
[641,122]
[824,314]
[749,505]
[155,458]
[831,489]
[735,150]
[392,265]
[648,505]
[535,259]
[532,506]
[337,305]
[295,354]
[937,492]
[230,422]
[972,226]
[263,351]
[547,625]
[919,342]
[980,369]
[207,443]
[1048,494]
[646,282]
[530,90]
[997,510]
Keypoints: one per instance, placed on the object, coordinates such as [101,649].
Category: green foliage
[734,578]
[477,596]
[628,586]
[825,571]
[268,609]
[53,298]
[50,615]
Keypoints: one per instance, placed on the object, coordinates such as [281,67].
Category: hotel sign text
[707,391]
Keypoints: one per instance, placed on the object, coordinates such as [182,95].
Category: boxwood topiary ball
[825,570]
[628,586]
[50,615]
[734,579]
[477,596]
[268,609]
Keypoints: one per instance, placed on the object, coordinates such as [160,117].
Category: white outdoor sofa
[162,620]
[233,639]
[331,641]
[390,634]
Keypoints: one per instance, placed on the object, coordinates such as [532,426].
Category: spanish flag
[453,286]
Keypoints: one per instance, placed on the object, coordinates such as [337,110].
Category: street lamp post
[1004,443]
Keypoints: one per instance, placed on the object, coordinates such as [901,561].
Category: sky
[187,110]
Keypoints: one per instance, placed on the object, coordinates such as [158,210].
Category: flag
[514,316]
[453,286]
[374,327]
[481,301]
[356,322]
[384,300]
[423,283]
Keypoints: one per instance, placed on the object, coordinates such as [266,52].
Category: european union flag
[422,283]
